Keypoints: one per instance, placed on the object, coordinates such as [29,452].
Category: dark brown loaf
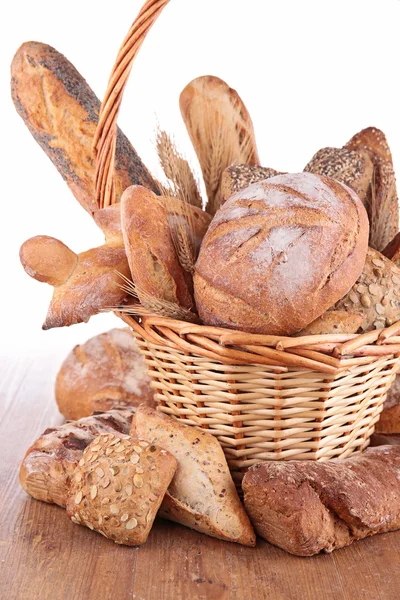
[61,112]
[351,167]
[238,177]
[105,372]
[49,463]
[389,420]
[280,253]
[118,486]
[306,507]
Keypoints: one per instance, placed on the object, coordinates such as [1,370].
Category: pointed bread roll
[202,494]
[220,129]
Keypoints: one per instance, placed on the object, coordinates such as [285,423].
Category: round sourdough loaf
[279,253]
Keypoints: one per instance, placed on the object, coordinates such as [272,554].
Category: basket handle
[105,138]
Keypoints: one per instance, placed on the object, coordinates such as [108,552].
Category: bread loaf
[279,253]
[385,439]
[392,250]
[48,465]
[238,177]
[334,321]
[84,284]
[105,372]
[202,494]
[306,507]
[220,129]
[384,206]
[118,487]
[61,112]
[389,420]
[351,167]
[152,257]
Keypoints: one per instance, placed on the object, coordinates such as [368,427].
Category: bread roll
[150,250]
[280,253]
[220,129]
[61,112]
[118,486]
[105,372]
[238,177]
[48,465]
[351,167]
[86,283]
[306,507]
[202,494]
[333,321]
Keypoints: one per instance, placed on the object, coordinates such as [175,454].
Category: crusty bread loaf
[220,129]
[105,372]
[49,463]
[202,494]
[389,420]
[61,112]
[392,250]
[384,205]
[238,177]
[351,167]
[118,486]
[306,507]
[280,253]
[150,250]
[85,284]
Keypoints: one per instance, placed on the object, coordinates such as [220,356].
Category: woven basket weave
[263,397]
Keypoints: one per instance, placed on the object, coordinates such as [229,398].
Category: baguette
[202,494]
[306,507]
[48,465]
[118,486]
[61,112]
[220,129]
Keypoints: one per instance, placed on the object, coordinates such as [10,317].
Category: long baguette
[61,112]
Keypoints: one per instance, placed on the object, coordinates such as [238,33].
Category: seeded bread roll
[105,372]
[202,494]
[61,112]
[280,253]
[48,465]
[238,177]
[333,321]
[306,507]
[353,168]
[118,487]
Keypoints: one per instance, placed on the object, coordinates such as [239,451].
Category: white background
[312,73]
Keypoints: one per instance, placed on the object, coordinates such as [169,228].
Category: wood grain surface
[44,556]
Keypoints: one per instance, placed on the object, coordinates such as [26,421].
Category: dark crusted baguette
[49,463]
[307,507]
[61,112]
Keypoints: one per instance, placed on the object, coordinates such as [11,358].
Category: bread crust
[48,465]
[202,494]
[105,372]
[280,253]
[61,112]
[306,507]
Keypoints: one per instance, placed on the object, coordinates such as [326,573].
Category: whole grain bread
[279,253]
[48,465]
[105,372]
[238,177]
[118,486]
[202,494]
[306,507]
[61,112]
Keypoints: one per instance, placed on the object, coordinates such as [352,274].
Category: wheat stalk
[182,232]
[177,170]
[150,305]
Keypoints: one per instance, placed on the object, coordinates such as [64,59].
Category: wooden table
[44,556]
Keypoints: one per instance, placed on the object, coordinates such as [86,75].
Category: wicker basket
[263,397]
